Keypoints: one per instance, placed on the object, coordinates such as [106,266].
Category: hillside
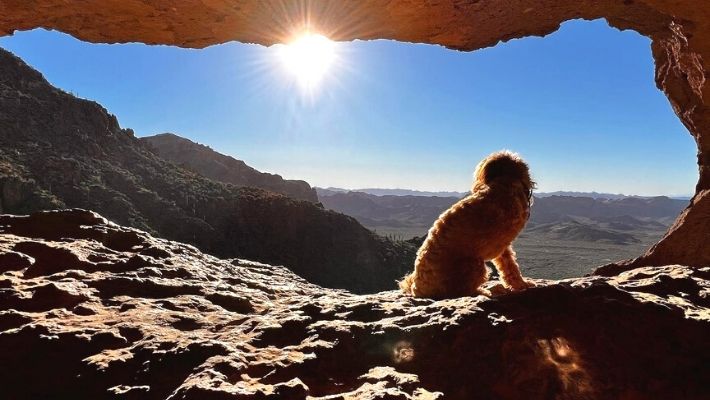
[211,164]
[59,151]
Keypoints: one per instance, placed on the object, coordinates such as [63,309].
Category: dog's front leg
[509,270]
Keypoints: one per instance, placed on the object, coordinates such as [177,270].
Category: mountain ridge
[223,168]
[390,192]
[329,191]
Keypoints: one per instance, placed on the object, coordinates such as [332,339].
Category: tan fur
[480,227]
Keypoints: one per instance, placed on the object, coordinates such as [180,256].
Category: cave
[680,35]
[113,312]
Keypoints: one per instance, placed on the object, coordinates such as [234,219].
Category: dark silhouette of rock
[59,151]
[222,168]
[126,315]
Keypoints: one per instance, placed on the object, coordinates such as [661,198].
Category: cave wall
[680,33]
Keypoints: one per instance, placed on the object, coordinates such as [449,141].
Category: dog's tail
[407,284]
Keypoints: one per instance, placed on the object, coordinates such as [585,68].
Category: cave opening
[126,313]
[559,144]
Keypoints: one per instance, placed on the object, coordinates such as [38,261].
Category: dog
[478,228]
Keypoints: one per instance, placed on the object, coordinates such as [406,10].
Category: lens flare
[308,59]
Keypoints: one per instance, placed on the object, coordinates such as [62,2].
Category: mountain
[597,195]
[593,195]
[550,209]
[408,192]
[321,192]
[390,210]
[388,192]
[59,151]
[207,162]
[603,219]
[579,231]
[423,210]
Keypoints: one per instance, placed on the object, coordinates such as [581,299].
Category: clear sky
[580,105]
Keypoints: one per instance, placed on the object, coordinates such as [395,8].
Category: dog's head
[504,167]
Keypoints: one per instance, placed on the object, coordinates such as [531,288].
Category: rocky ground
[94,310]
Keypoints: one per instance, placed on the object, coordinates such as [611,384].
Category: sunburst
[308,59]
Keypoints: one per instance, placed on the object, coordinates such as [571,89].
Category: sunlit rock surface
[90,309]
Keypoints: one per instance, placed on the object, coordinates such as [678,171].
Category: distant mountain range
[596,195]
[390,210]
[329,191]
[388,192]
[58,151]
[552,208]
[559,217]
[593,195]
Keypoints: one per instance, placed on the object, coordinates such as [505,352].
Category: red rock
[191,326]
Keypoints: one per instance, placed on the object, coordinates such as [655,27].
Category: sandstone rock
[110,321]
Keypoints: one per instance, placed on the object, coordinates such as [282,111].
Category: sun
[308,58]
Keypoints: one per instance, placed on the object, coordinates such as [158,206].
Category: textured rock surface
[59,151]
[95,310]
[680,31]
[222,168]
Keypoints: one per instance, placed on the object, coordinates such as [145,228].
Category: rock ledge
[94,310]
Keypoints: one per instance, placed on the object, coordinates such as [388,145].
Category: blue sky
[580,105]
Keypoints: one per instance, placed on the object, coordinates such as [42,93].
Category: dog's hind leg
[479,275]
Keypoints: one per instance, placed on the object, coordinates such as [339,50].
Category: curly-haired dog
[480,227]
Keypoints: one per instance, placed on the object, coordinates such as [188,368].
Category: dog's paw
[522,285]
[498,290]
[529,283]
